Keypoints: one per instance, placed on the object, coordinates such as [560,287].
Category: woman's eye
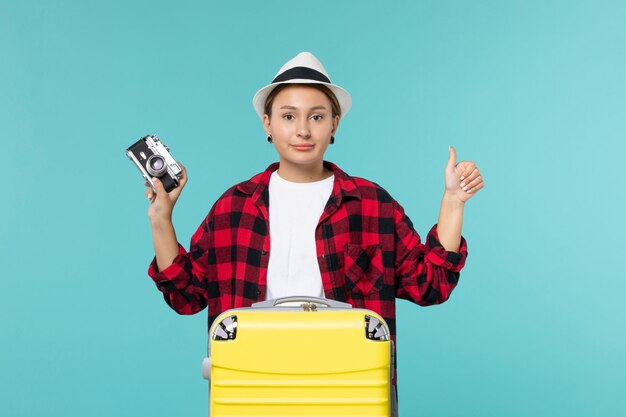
[288,117]
[317,117]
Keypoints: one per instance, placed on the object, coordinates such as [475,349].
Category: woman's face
[301,125]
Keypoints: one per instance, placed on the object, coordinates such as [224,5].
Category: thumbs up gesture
[463,179]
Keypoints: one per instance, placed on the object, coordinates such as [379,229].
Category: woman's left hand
[463,180]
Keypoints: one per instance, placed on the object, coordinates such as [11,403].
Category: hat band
[305,73]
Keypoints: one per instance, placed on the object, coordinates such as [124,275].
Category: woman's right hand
[162,203]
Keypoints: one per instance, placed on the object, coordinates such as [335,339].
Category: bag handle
[301,298]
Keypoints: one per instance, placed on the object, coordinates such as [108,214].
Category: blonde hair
[334,103]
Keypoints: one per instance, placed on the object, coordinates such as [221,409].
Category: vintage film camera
[153,159]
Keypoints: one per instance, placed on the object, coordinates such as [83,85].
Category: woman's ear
[335,125]
[266,124]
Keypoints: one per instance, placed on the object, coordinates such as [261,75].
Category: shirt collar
[344,185]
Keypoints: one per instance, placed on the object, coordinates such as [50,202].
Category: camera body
[153,159]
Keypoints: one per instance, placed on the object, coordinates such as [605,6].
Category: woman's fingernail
[462,177]
[462,184]
[464,188]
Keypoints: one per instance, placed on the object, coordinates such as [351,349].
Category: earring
[269,139]
[332,140]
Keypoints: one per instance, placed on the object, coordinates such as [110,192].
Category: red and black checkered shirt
[367,250]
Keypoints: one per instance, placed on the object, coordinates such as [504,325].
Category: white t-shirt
[295,210]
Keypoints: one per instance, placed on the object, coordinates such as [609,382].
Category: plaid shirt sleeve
[426,273]
[185,283]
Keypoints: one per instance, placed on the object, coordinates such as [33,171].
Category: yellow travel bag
[317,358]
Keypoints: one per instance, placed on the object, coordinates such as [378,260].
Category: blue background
[533,91]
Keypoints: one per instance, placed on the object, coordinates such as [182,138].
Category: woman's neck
[303,173]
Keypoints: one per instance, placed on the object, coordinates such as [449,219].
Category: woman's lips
[302,147]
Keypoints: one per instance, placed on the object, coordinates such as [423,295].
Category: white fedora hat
[304,68]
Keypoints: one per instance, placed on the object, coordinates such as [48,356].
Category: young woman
[305,227]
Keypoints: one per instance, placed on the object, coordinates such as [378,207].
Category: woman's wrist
[451,201]
[160,223]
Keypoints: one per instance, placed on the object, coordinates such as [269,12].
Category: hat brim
[343,97]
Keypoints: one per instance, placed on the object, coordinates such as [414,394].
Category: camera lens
[156,165]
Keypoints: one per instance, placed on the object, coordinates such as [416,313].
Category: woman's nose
[303,130]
